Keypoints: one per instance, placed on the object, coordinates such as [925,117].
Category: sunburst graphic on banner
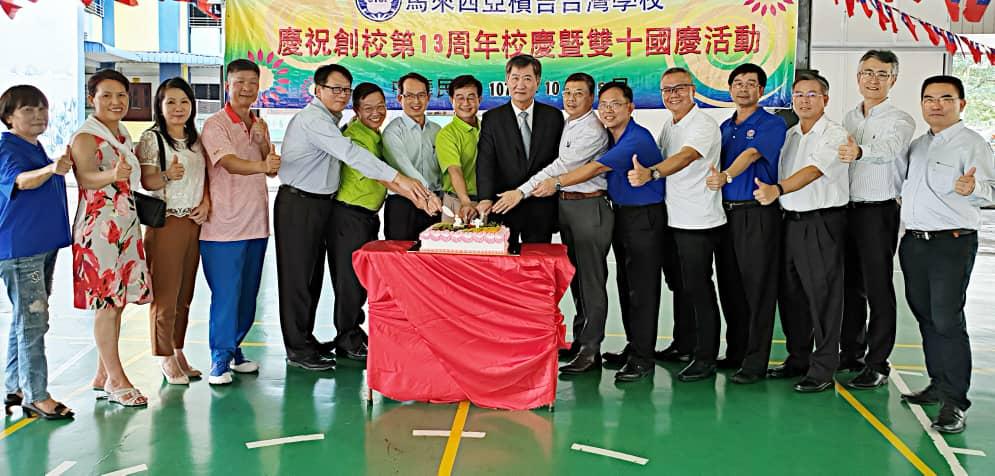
[272,80]
[763,7]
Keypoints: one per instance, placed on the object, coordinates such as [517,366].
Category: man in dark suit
[517,140]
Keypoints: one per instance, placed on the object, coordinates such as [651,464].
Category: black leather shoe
[697,370]
[783,371]
[326,349]
[672,354]
[633,371]
[810,385]
[569,354]
[743,377]
[316,364]
[868,379]
[585,361]
[950,420]
[927,396]
[358,353]
[615,360]
[850,365]
[728,364]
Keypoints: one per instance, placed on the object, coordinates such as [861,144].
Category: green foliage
[979,84]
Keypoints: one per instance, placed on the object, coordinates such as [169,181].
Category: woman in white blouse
[172,250]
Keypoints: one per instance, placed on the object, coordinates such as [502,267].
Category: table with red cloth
[452,327]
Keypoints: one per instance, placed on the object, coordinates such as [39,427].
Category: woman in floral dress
[108,256]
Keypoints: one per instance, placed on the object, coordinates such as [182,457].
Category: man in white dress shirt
[585,216]
[879,136]
[813,192]
[691,145]
[951,175]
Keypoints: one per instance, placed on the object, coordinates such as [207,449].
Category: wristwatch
[728,177]
[655,173]
[558,186]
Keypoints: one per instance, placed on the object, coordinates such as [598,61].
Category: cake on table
[467,238]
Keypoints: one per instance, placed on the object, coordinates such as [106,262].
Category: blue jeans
[233,270]
[29,284]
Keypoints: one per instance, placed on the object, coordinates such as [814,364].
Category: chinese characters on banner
[629,40]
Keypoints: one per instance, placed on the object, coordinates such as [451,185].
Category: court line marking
[284,441]
[909,372]
[609,453]
[72,361]
[965,451]
[886,432]
[127,471]
[62,468]
[941,444]
[452,444]
[446,433]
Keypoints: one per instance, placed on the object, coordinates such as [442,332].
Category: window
[96,8]
[211,92]
[199,18]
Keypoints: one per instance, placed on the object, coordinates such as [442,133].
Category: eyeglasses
[944,100]
[745,84]
[679,89]
[418,96]
[880,75]
[336,89]
[808,95]
[612,106]
[468,97]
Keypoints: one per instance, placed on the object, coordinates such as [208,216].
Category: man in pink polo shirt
[233,240]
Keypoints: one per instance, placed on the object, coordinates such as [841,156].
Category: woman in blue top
[34,224]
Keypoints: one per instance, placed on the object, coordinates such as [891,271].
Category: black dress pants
[354,226]
[872,237]
[696,250]
[403,220]
[639,232]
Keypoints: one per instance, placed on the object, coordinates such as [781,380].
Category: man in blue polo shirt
[640,223]
[747,262]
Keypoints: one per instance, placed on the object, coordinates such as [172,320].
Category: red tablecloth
[445,328]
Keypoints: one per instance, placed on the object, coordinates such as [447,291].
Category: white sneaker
[246,367]
[223,379]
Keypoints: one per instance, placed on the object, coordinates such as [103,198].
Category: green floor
[711,427]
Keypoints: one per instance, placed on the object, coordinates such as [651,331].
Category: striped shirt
[884,137]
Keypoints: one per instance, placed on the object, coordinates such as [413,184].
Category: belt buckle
[926,235]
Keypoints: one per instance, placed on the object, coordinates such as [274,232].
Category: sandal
[127,397]
[101,393]
[193,374]
[11,400]
[61,412]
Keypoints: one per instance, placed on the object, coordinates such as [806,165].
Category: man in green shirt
[355,220]
[456,147]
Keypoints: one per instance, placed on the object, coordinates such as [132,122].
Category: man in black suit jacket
[517,140]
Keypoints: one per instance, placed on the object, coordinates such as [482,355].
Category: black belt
[355,208]
[790,215]
[882,203]
[939,234]
[730,205]
[302,193]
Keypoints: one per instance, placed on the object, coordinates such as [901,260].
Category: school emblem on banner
[378,10]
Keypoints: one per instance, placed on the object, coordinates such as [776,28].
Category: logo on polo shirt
[378,10]
[750,133]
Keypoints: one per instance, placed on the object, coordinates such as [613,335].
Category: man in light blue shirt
[313,149]
[951,175]
[409,146]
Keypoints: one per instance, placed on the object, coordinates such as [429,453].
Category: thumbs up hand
[272,161]
[715,180]
[850,151]
[122,170]
[175,170]
[64,163]
[965,184]
[639,175]
[765,194]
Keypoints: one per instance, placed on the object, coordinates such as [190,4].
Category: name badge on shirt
[750,134]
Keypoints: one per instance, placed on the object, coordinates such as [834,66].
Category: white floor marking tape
[909,372]
[72,361]
[285,440]
[609,453]
[127,471]
[62,468]
[445,433]
[965,451]
[938,441]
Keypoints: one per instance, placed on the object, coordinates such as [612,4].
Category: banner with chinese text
[627,40]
